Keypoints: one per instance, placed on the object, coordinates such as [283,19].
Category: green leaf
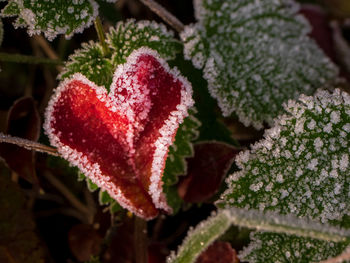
[255,55]
[272,247]
[200,238]
[175,163]
[302,165]
[52,18]
[130,35]
[122,40]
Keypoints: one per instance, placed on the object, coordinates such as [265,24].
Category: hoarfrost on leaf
[256,55]
[120,140]
[283,248]
[303,166]
[50,17]
[312,179]
[123,40]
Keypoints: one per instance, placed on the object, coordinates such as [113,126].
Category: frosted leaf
[125,38]
[272,247]
[256,55]
[178,151]
[199,238]
[51,18]
[301,169]
[120,140]
[130,35]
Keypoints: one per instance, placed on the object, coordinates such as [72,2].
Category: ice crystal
[301,165]
[120,140]
[255,55]
[283,248]
[50,17]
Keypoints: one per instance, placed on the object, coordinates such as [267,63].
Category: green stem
[201,237]
[101,36]
[18,58]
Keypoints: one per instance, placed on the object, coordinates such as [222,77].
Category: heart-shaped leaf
[120,140]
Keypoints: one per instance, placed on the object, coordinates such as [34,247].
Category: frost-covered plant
[52,17]
[255,55]
[128,121]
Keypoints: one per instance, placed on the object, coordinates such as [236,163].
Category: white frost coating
[259,56]
[35,16]
[77,158]
[303,170]
[170,125]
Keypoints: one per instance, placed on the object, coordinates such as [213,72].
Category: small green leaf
[255,55]
[51,18]
[175,163]
[92,187]
[272,247]
[130,35]
[200,238]
[104,198]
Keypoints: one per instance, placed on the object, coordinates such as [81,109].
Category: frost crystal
[51,18]
[120,140]
[255,55]
[312,179]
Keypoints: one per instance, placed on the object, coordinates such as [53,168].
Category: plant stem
[27,144]
[46,47]
[140,240]
[164,14]
[101,36]
[18,58]
[68,195]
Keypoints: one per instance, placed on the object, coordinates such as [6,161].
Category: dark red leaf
[218,252]
[206,171]
[84,242]
[120,140]
[22,121]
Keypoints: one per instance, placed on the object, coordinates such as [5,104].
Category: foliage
[141,138]
[255,56]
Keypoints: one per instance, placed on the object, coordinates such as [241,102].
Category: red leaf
[206,171]
[120,140]
[218,252]
[22,121]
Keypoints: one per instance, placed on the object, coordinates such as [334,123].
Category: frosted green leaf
[130,35]
[255,56]
[90,61]
[125,38]
[50,17]
[175,163]
[271,247]
[122,41]
[200,238]
[301,167]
